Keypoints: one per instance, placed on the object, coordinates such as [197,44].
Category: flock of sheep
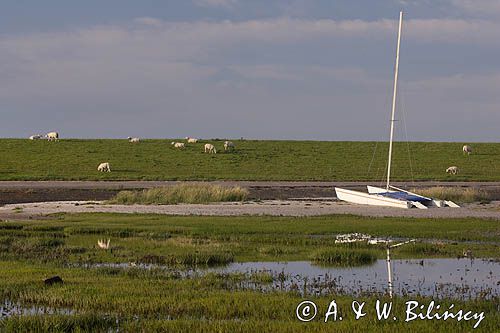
[207,148]
[454,169]
[105,166]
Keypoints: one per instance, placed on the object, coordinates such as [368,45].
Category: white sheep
[467,149]
[228,145]
[210,148]
[36,137]
[191,140]
[453,170]
[104,167]
[179,145]
[52,136]
[133,140]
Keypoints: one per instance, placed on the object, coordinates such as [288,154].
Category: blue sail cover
[403,196]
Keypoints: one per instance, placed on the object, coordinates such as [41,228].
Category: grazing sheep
[210,148]
[191,140]
[228,145]
[103,245]
[467,253]
[467,149]
[453,170]
[36,137]
[133,140]
[104,167]
[52,136]
[179,145]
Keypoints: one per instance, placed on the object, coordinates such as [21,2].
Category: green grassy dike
[72,159]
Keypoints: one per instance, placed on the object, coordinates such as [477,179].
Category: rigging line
[373,157]
[384,176]
[405,117]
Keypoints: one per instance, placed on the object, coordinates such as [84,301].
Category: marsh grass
[181,193]
[40,249]
[189,259]
[214,240]
[458,194]
[345,257]
[58,323]
[134,299]
[426,249]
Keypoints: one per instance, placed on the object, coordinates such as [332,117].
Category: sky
[262,69]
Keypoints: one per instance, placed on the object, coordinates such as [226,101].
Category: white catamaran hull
[369,199]
[374,198]
[432,202]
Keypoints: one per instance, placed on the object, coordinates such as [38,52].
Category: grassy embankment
[70,159]
[134,299]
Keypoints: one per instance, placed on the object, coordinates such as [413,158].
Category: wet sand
[326,206]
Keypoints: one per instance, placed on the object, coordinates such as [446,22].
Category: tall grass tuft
[181,193]
[189,259]
[345,257]
[58,323]
[458,194]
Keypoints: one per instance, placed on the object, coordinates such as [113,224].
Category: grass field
[134,299]
[70,159]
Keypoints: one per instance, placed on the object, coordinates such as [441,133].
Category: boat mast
[394,99]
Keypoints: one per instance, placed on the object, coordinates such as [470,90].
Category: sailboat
[391,196]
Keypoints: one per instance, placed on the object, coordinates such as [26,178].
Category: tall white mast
[394,99]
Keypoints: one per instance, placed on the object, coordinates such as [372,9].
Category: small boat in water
[391,196]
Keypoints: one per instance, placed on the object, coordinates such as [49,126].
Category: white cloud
[149,21]
[457,31]
[216,3]
[163,75]
[153,38]
[488,7]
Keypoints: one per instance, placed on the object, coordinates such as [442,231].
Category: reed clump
[458,194]
[345,257]
[181,193]
[189,259]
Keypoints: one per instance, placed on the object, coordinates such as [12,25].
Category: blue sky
[296,69]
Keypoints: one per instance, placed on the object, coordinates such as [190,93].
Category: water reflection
[440,278]
[9,308]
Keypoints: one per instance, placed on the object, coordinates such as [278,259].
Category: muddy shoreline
[12,192]
[266,207]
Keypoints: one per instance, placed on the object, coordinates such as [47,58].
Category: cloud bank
[273,78]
